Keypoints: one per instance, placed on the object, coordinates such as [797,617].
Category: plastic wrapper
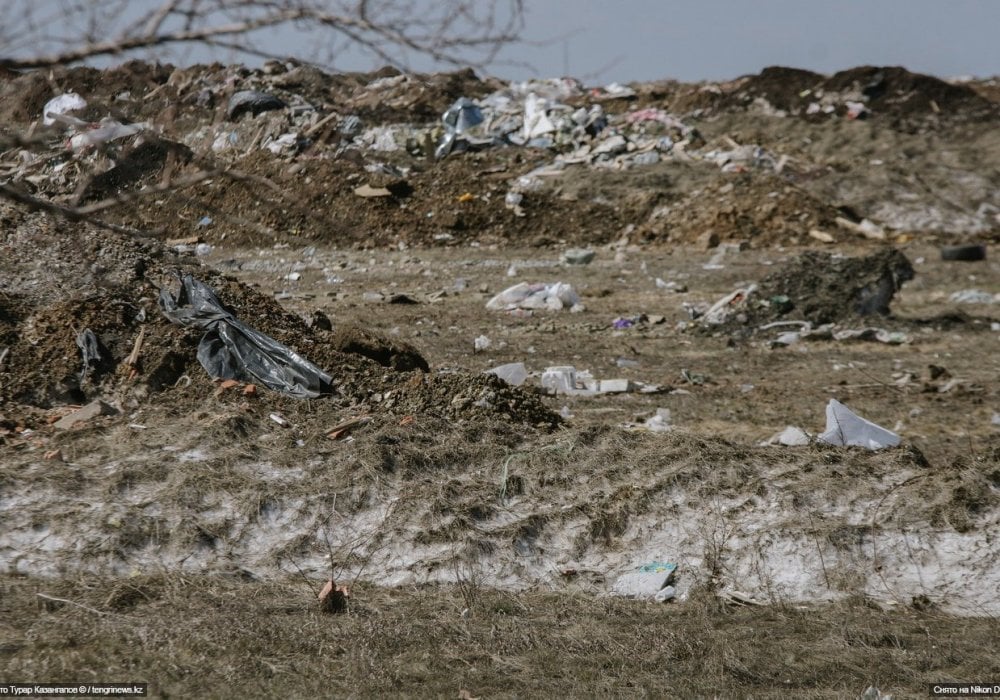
[232,350]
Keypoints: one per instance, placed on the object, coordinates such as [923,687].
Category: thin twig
[79,605]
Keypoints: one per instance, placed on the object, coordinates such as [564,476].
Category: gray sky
[621,40]
[714,39]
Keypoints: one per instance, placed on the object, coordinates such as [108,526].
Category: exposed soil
[483,526]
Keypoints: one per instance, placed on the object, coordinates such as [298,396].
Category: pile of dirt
[824,288]
[352,133]
[53,291]
[763,209]
[814,288]
[905,100]
[452,202]
[909,99]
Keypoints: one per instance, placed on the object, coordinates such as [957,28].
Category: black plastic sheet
[232,350]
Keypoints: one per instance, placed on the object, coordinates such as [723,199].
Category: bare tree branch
[450,31]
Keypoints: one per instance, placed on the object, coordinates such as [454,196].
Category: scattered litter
[232,350]
[481,343]
[791,436]
[659,422]
[722,310]
[462,116]
[514,373]
[252,101]
[974,296]
[554,297]
[963,253]
[844,427]
[279,419]
[90,349]
[63,104]
[671,286]
[567,380]
[560,380]
[652,582]
[106,130]
[866,228]
[829,331]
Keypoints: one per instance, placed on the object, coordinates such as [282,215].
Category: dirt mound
[763,209]
[907,98]
[782,87]
[904,100]
[396,354]
[55,296]
[823,288]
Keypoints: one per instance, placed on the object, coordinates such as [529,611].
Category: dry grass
[218,637]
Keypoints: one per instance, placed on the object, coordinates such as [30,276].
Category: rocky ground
[751,250]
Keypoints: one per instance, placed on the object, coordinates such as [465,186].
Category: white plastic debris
[514,373]
[791,436]
[659,422]
[721,310]
[63,104]
[285,143]
[536,119]
[555,297]
[109,130]
[225,141]
[561,380]
[651,581]
[481,343]
[844,427]
[973,296]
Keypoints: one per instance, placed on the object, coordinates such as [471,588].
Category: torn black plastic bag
[232,350]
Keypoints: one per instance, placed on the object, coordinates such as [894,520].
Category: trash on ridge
[232,350]
[555,297]
[844,427]
[62,104]
[650,581]
[106,130]
[252,101]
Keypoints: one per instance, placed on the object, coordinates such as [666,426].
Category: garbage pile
[817,289]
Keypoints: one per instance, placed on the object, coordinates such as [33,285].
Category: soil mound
[82,322]
[823,288]
[763,209]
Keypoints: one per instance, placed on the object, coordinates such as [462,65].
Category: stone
[89,412]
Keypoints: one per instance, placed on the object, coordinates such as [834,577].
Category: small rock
[89,412]
[578,256]
[707,240]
